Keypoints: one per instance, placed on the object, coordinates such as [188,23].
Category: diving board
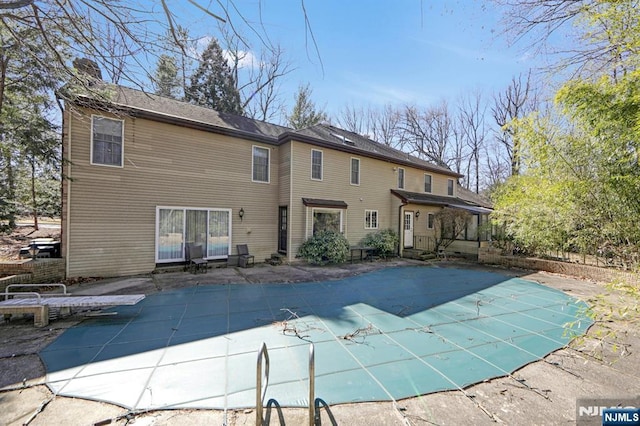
[39,305]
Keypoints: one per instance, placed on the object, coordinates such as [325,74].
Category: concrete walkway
[544,392]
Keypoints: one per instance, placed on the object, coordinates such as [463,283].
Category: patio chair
[195,257]
[244,258]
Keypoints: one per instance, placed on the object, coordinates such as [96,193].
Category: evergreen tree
[177,46]
[304,112]
[213,84]
[25,102]
[166,77]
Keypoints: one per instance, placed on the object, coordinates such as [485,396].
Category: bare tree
[110,36]
[471,113]
[428,132]
[459,149]
[602,32]
[386,126]
[518,100]
[538,19]
[257,76]
[116,53]
[262,95]
[450,224]
[382,124]
[86,27]
[355,119]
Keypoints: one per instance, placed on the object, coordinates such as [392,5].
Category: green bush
[385,242]
[325,247]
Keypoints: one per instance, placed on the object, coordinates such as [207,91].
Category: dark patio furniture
[366,253]
[41,247]
[195,257]
[244,258]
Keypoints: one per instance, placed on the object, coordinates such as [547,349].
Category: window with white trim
[430,220]
[316,164]
[176,226]
[400,178]
[428,183]
[371,219]
[355,171]
[260,164]
[450,187]
[107,136]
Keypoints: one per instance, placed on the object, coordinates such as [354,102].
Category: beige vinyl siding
[284,195]
[420,223]
[112,217]
[376,179]
[414,181]
[284,183]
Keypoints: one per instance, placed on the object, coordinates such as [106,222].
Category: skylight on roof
[345,140]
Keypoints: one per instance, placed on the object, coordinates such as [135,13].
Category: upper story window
[107,136]
[450,187]
[316,164]
[400,178]
[355,171]
[428,183]
[260,164]
[371,219]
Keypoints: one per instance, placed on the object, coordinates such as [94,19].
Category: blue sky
[375,52]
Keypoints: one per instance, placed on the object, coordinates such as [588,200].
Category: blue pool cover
[385,335]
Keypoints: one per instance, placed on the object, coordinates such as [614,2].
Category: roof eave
[170,119]
[291,136]
[454,202]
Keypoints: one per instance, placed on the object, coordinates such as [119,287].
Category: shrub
[325,247]
[385,242]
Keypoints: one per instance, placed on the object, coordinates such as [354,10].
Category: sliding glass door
[176,226]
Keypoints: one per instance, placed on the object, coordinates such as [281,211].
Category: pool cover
[385,335]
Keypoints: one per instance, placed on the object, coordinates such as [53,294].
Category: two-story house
[144,175]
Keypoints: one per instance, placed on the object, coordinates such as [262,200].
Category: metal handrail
[312,385]
[64,287]
[6,295]
[260,393]
[263,359]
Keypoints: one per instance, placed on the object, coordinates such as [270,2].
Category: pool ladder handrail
[263,355]
[312,385]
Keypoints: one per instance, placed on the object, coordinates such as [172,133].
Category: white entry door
[408,229]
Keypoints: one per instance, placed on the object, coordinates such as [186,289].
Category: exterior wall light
[241,213]
[417,214]
[34,250]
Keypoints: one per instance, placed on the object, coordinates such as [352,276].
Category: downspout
[68,194]
[290,208]
[401,228]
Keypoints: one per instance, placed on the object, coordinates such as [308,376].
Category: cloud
[246,59]
[385,94]
[379,93]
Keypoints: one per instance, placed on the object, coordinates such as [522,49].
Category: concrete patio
[543,392]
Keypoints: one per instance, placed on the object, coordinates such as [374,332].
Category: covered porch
[422,229]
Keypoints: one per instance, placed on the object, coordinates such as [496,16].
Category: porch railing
[423,242]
